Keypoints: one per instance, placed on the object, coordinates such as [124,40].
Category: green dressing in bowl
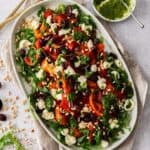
[112,9]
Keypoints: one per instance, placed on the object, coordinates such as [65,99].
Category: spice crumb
[24,101]
[7,77]
[26,110]
[1,63]
[17,97]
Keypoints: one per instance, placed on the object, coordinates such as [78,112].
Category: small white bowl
[115,20]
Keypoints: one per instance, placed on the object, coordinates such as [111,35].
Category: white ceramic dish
[110,46]
[119,19]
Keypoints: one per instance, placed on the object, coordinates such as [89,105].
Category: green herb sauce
[112,9]
[10,139]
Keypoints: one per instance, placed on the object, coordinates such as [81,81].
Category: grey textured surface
[136,42]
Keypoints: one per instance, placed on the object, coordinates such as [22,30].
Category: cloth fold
[44,141]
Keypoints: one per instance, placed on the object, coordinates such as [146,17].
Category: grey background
[135,40]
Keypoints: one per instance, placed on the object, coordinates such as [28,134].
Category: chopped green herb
[80,36]
[10,139]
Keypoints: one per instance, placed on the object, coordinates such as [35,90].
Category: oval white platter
[110,46]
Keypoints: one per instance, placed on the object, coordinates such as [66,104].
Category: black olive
[93,142]
[65,24]
[69,10]
[22,52]
[0,85]
[39,95]
[47,38]
[114,112]
[1,104]
[41,57]
[71,57]
[3,117]
[81,70]
[71,81]
[65,65]
[113,55]
[93,117]
[93,77]
[89,117]
[43,42]
[93,35]
[39,111]
[56,39]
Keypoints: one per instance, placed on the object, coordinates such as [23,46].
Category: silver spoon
[133,16]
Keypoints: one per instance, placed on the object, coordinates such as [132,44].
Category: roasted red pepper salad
[78,89]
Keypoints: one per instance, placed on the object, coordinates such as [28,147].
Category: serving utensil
[133,16]
[12,15]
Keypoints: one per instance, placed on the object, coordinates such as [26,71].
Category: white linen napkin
[45,142]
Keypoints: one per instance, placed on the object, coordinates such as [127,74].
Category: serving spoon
[133,16]
[12,15]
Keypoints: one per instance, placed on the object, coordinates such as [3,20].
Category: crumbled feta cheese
[60,59]
[77,63]
[53,27]
[49,20]
[56,93]
[106,64]
[113,123]
[70,140]
[54,104]
[93,68]
[65,131]
[40,74]
[75,12]
[83,81]
[59,68]
[63,31]
[82,125]
[101,82]
[40,104]
[69,71]
[86,28]
[90,44]
[24,44]
[47,115]
[59,96]
[32,23]
[129,105]
[86,109]
[35,24]
[118,63]
[104,144]
[115,74]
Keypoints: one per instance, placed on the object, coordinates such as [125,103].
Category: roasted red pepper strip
[28,61]
[47,13]
[65,104]
[71,46]
[92,84]
[77,133]
[95,106]
[66,87]
[38,43]
[59,18]
[100,47]
[61,118]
